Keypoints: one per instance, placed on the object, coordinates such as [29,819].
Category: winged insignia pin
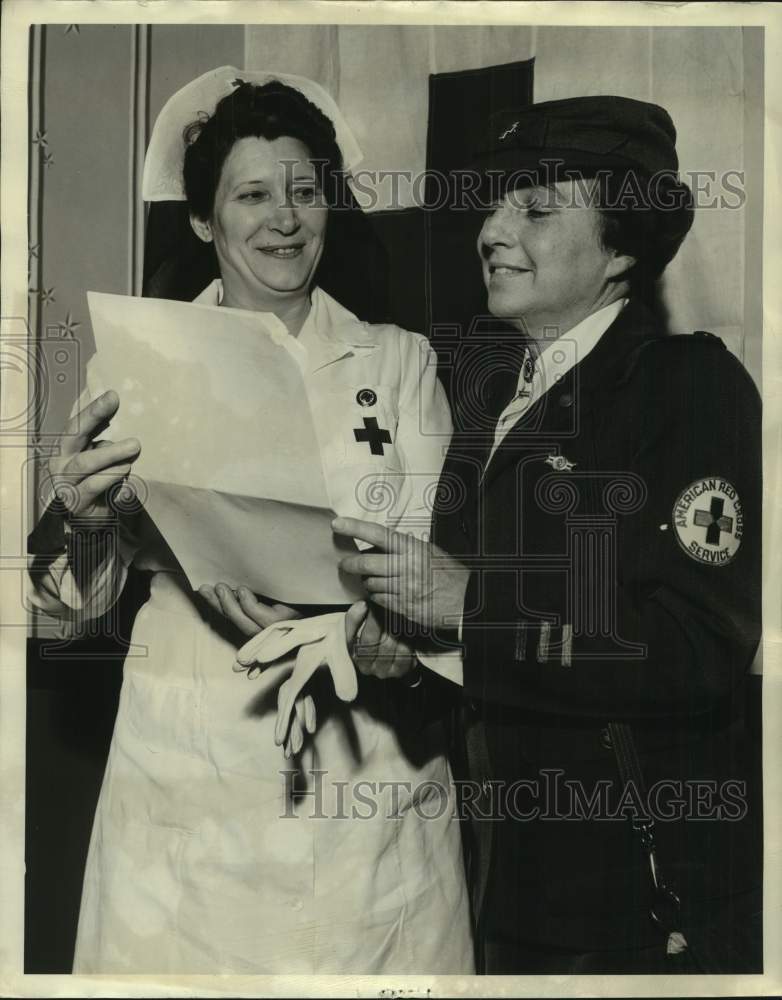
[559,463]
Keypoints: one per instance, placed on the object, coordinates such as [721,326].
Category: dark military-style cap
[581,135]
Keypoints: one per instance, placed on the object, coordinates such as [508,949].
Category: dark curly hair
[266,111]
[647,220]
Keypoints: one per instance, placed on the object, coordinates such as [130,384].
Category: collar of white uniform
[557,357]
[327,321]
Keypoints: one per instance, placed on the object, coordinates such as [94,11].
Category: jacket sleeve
[680,602]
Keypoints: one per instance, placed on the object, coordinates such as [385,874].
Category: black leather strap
[666,905]
[482,830]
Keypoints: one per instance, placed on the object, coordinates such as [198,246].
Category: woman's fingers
[389,602]
[382,585]
[261,613]
[94,460]
[379,661]
[83,426]
[209,595]
[402,660]
[285,613]
[254,619]
[367,531]
[89,474]
[371,564]
[78,498]
[233,611]
[354,618]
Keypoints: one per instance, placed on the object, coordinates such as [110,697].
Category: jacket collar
[606,365]
[332,333]
[335,323]
[599,374]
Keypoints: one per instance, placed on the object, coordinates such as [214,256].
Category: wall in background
[709,79]
[95,91]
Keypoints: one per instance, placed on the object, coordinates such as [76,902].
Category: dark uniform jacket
[615,540]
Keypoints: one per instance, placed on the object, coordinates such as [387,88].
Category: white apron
[204,857]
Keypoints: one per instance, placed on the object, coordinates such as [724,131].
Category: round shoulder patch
[709,520]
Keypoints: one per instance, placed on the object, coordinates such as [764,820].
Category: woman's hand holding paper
[84,469]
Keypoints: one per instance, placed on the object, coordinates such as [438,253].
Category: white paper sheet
[230,457]
[214,395]
[281,550]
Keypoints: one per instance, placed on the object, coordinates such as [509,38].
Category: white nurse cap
[166,151]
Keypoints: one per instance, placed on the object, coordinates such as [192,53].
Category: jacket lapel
[596,375]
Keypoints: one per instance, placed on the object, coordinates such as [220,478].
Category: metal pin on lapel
[559,463]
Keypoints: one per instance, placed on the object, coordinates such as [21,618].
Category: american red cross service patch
[709,520]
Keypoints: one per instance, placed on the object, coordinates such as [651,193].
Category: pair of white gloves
[322,641]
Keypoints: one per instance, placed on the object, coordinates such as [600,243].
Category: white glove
[303,720]
[322,642]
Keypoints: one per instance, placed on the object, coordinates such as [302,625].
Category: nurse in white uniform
[204,857]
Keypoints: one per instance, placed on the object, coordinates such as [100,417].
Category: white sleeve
[72,594]
[423,435]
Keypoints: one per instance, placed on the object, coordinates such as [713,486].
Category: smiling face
[543,261]
[268,223]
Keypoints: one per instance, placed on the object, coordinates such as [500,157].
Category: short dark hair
[271,111]
[266,111]
[650,228]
